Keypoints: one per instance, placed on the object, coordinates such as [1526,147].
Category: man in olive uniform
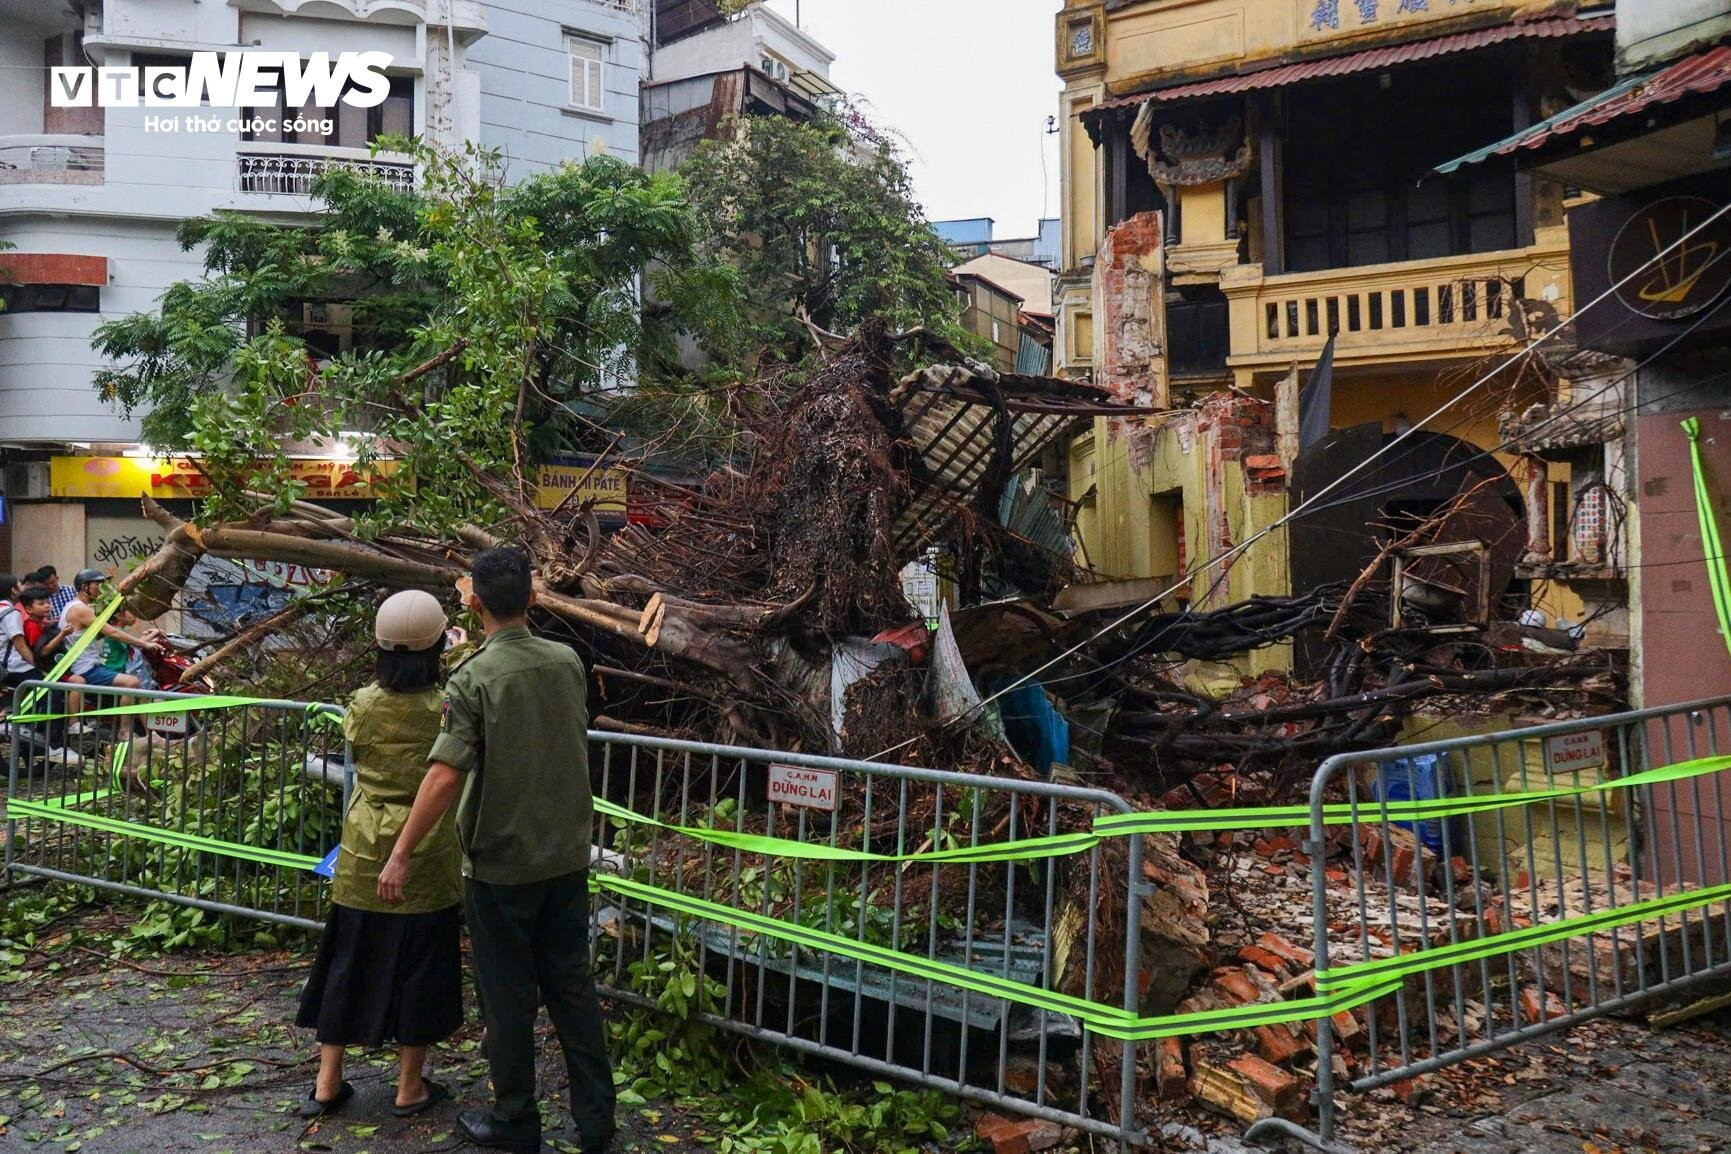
[514,743]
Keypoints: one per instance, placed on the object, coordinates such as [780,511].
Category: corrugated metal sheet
[1033,359]
[1697,75]
[1366,61]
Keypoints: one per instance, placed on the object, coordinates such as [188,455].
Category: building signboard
[606,488]
[128,478]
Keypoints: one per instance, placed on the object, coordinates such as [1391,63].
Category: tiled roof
[1697,75]
[1368,60]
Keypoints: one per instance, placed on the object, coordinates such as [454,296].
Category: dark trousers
[531,945]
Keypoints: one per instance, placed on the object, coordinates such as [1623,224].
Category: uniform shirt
[12,625]
[516,725]
[389,735]
[87,660]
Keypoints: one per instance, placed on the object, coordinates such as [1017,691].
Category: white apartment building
[758,37]
[90,200]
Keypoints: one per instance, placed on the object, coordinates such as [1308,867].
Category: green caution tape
[1170,822]
[17,807]
[1106,1020]
[1718,581]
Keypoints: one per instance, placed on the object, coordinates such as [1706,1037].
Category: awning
[1371,59]
[1697,75]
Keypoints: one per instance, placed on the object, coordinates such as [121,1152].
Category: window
[588,65]
[351,127]
[1359,187]
[49,298]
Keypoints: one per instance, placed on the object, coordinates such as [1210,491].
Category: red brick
[1257,956]
[1237,987]
[1532,1010]
[1274,1086]
[1300,958]
[1170,1080]
[1278,1044]
[1019,1137]
[1462,868]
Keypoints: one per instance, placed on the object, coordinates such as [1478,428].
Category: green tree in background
[820,221]
[481,312]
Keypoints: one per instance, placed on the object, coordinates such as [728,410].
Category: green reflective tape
[1718,581]
[1526,938]
[1108,1021]
[317,712]
[1028,849]
[1172,821]
[22,808]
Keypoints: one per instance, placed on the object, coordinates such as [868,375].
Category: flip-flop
[313,1108]
[435,1094]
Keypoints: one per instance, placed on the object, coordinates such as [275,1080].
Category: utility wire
[1281,522]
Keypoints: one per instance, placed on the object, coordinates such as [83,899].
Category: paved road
[194,1053]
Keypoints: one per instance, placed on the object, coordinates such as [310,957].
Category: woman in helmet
[389,973]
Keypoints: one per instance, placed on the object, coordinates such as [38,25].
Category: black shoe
[600,1144]
[481,1128]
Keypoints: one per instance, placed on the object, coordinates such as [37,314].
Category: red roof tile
[1369,60]
[1696,75]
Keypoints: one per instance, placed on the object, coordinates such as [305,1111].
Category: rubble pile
[764,604]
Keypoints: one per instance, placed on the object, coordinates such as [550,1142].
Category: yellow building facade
[1242,179]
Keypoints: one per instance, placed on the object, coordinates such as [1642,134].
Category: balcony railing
[1450,306]
[51,159]
[291,170]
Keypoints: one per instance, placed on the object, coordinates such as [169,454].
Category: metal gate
[1534,915]
[1043,924]
[224,809]
[131,803]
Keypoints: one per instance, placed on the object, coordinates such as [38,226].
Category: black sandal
[313,1108]
[435,1094]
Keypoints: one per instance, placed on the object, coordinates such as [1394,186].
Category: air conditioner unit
[27,481]
[774,69]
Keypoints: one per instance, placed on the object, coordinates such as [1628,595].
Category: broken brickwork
[1128,291]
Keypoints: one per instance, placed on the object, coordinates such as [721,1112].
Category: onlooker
[44,645]
[20,661]
[88,665]
[514,743]
[390,971]
[60,596]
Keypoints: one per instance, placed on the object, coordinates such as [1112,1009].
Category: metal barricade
[269,775]
[1609,894]
[1042,923]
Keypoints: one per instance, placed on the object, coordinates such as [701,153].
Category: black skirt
[382,978]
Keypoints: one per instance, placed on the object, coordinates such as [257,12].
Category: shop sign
[606,488]
[128,478]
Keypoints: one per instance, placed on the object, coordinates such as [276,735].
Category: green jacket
[516,727]
[390,734]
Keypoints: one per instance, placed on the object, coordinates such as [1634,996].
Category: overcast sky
[968,83]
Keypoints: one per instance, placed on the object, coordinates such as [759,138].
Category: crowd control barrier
[1565,872]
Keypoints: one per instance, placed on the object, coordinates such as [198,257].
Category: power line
[1281,522]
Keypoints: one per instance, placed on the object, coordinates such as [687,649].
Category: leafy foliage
[820,221]
[481,312]
[760,1104]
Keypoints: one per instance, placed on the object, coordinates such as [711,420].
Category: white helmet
[409,620]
